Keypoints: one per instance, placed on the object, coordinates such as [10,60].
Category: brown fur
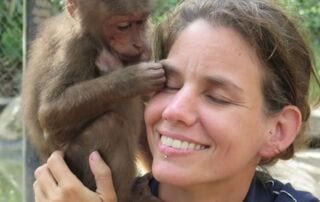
[69,105]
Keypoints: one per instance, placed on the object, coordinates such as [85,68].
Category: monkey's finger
[155,74]
[103,177]
[45,180]
[157,66]
[161,80]
[158,73]
[152,65]
[163,62]
[60,171]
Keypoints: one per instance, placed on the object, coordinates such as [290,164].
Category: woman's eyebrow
[223,83]
[214,80]
[169,68]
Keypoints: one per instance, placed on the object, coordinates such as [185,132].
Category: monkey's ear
[71,7]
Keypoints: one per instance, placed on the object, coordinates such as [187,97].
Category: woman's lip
[170,152]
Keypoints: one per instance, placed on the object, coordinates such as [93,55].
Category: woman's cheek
[154,109]
[152,117]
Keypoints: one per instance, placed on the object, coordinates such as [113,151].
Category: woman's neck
[232,189]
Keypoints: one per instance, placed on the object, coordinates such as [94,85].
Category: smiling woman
[236,97]
[237,80]
[217,86]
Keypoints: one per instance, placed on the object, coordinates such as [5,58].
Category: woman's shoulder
[266,189]
[285,192]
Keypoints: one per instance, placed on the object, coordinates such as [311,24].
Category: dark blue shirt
[272,190]
[263,190]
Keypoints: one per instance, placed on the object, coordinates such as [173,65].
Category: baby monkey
[83,85]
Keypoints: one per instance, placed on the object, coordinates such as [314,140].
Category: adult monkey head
[115,25]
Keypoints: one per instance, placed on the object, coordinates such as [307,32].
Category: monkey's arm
[80,103]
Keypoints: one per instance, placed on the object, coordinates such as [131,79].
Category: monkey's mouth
[130,58]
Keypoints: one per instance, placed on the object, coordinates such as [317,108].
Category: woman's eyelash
[171,87]
[218,100]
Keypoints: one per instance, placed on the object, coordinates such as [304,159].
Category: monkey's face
[126,36]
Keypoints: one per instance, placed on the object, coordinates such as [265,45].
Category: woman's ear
[71,7]
[284,129]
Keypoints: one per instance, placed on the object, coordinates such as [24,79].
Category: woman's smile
[172,144]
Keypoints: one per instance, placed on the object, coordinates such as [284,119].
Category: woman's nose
[181,108]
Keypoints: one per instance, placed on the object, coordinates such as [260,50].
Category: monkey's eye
[140,22]
[124,25]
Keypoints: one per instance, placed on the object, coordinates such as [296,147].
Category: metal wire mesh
[11,19]
[10,47]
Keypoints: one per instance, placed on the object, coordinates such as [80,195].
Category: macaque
[82,89]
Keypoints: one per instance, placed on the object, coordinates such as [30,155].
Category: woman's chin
[165,172]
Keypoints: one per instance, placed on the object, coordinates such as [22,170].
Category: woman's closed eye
[172,84]
[217,99]
[171,87]
[223,100]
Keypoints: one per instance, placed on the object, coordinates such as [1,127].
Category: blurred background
[303,171]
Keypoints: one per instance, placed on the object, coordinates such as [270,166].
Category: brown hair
[279,44]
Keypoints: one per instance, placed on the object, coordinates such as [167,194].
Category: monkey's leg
[112,136]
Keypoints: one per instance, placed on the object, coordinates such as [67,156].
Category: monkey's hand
[81,102]
[55,182]
[148,77]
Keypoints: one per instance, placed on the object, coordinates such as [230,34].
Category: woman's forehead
[209,44]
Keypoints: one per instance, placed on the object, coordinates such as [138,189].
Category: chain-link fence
[10,47]
[11,18]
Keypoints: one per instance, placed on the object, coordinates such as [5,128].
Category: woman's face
[207,124]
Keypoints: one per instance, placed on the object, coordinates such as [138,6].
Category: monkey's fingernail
[95,156]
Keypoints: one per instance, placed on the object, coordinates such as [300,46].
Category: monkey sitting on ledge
[81,90]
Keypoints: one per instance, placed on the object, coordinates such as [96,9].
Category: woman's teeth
[178,144]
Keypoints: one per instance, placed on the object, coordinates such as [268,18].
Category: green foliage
[11,35]
[10,46]
[57,5]
[163,6]
[10,178]
[309,13]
